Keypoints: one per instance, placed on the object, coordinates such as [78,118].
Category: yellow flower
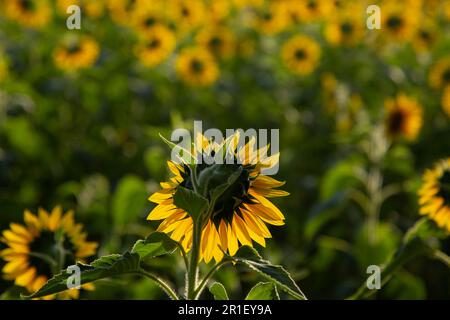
[217,10]
[30,13]
[313,10]
[187,14]
[197,67]
[271,19]
[122,11]
[403,117]
[439,76]
[446,100]
[399,21]
[76,53]
[93,9]
[446,10]
[240,215]
[31,256]
[434,195]
[218,40]
[144,18]
[347,28]
[156,45]
[425,36]
[301,54]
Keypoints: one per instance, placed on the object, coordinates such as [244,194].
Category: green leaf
[190,201]
[129,200]
[263,291]
[185,155]
[156,244]
[274,273]
[103,267]
[218,291]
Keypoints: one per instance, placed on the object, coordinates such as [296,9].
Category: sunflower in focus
[197,67]
[76,53]
[156,45]
[434,195]
[42,247]
[403,117]
[439,76]
[399,21]
[30,13]
[219,40]
[301,54]
[445,102]
[239,215]
[345,29]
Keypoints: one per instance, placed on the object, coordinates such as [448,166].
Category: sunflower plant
[213,208]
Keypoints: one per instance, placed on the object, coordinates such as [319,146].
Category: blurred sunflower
[218,40]
[42,247]
[93,9]
[217,10]
[425,36]
[439,76]
[30,13]
[345,29]
[313,10]
[156,45]
[434,195]
[76,53]
[122,10]
[445,102]
[239,215]
[403,117]
[270,19]
[301,54]
[197,67]
[186,14]
[399,21]
[144,19]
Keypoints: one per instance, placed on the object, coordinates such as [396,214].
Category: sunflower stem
[193,265]
[166,288]
[211,272]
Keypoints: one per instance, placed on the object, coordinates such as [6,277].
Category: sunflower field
[359,92]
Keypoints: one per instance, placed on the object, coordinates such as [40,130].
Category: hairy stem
[167,289]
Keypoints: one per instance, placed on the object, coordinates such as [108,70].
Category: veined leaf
[274,273]
[103,267]
[156,244]
[188,200]
[263,291]
[219,292]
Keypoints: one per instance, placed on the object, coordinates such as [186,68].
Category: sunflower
[93,9]
[144,18]
[219,40]
[313,10]
[434,195]
[439,76]
[45,244]
[425,36]
[217,10]
[399,21]
[156,45]
[30,13]
[445,101]
[239,215]
[187,14]
[403,118]
[197,67]
[301,54]
[76,53]
[271,19]
[122,11]
[345,29]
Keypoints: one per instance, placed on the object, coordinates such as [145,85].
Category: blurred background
[81,110]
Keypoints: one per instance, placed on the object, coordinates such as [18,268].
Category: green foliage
[263,291]
[218,291]
[129,200]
